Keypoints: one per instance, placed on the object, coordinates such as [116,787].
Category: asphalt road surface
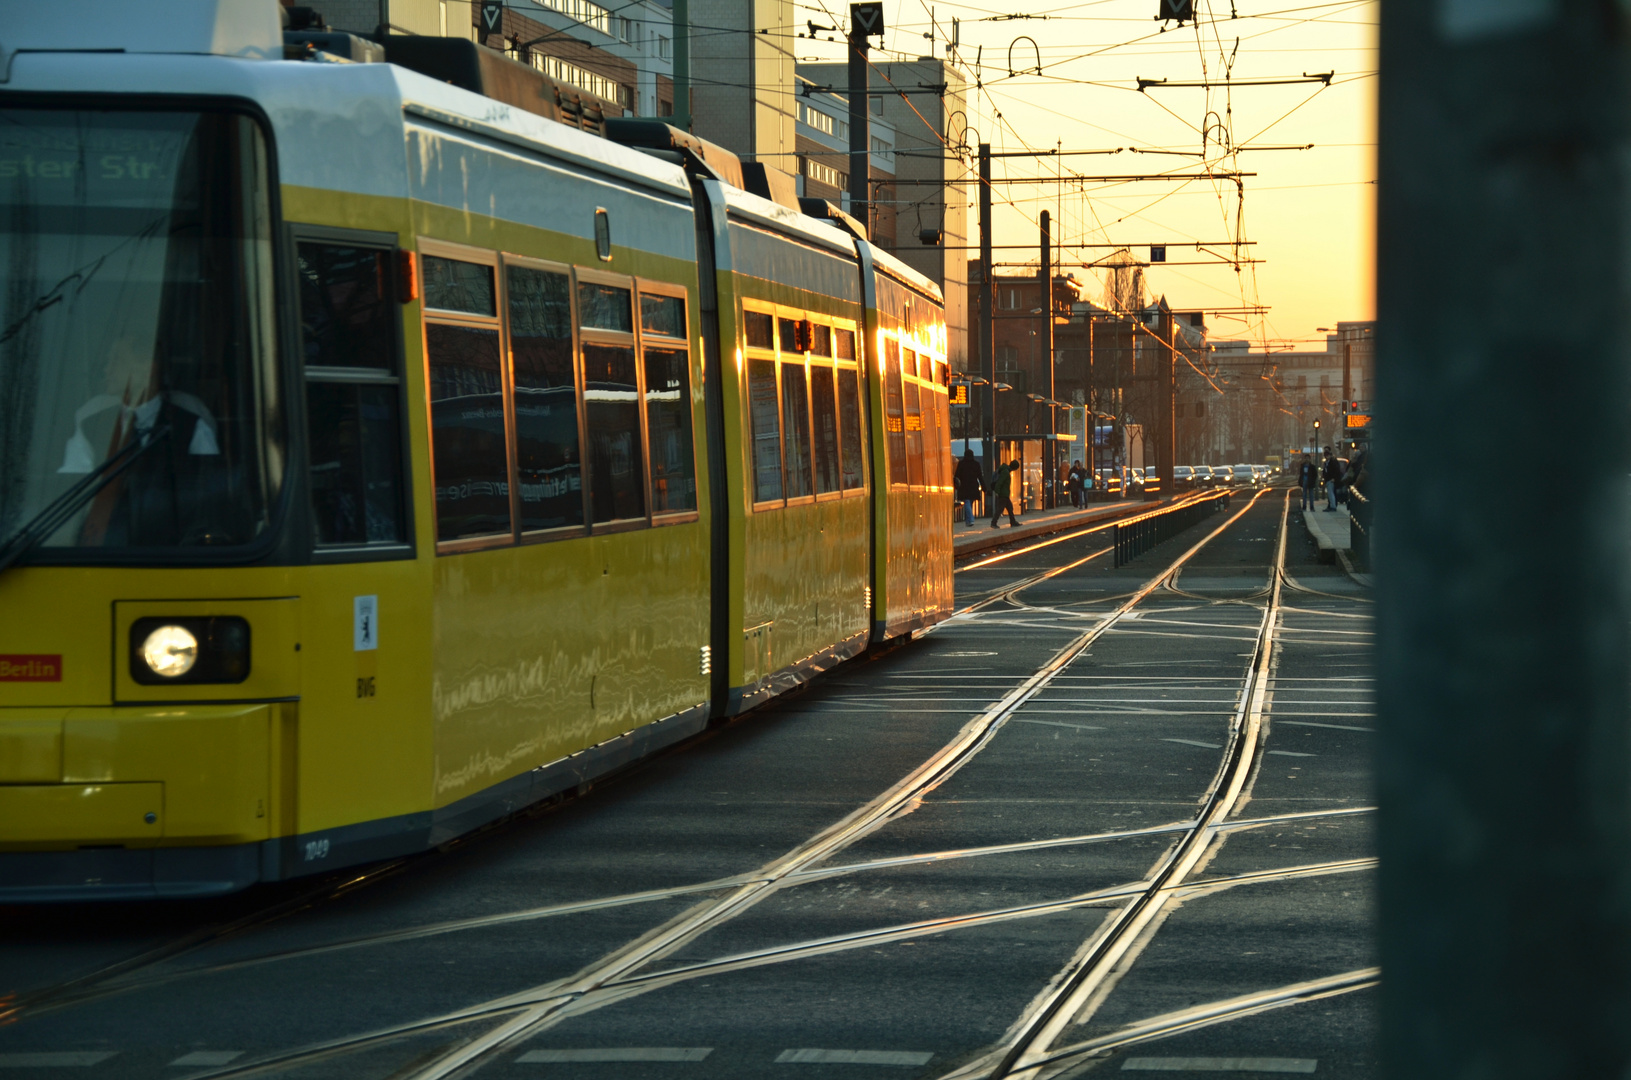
[1104,820]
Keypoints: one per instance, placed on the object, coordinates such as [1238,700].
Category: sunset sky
[1310,213]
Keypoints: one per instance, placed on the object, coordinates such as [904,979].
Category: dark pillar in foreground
[1503,613]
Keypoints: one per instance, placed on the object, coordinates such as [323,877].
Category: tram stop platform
[980,536]
[1333,532]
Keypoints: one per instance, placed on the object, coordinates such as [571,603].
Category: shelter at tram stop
[1030,490]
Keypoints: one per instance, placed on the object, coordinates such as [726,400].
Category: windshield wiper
[64,506]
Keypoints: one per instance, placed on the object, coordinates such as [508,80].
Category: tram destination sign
[1358,420]
[957,393]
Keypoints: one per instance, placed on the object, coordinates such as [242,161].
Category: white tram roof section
[244,28]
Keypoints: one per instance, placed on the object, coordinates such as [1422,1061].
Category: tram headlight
[170,651]
[207,649]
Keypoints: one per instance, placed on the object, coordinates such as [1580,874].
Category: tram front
[148,639]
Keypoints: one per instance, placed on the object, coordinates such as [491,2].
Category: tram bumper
[133,802]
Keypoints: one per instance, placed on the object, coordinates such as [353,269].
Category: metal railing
[1137,535]
[1361,514]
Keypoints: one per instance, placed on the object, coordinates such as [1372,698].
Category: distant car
[1245,476]
[1204,478]
[1223,475]
[1109,482]
[1183,478]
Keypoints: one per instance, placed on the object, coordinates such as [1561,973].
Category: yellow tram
[378,458]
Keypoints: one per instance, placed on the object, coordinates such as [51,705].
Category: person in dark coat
[1074,481]
[967,479]
[1001,484]
[1332,475]
[1308,478]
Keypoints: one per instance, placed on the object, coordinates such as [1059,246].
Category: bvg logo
[17,667]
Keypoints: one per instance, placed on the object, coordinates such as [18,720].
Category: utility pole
[1166,425]
[1347,384]
[1044,278]
[864,21]
[1503,749]
[988,298]
[1091,434]
[682,65]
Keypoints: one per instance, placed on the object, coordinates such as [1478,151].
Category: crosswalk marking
[618,1053]
[854,1057]
[55,1059]
[1219,1064]
[209,1057]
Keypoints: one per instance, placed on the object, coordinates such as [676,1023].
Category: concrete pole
[1044,277]
[988,299]
[682,65]
[1504,630]
[1165,435]
[860,129]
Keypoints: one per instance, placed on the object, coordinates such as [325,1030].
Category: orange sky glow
[1309,213]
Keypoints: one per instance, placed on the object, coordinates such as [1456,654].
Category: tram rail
[620,974]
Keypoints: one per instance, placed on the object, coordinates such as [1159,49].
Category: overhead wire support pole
[864,21]
[988,295]
[682,65]
[1044,278]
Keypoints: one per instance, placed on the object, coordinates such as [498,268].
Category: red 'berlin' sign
[17,667]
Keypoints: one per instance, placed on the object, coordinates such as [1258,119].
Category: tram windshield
[136,323]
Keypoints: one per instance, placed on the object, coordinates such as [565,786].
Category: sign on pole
[865,20]
[492,18]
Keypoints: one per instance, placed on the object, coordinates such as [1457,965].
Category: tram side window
[549,471]
[824,409]
[934,452]
[796,427]
[452,285]
[353,394]
[668,403]
[894,419]
[767,439]
[845,341]
[849,428]
[469,452]
[914,424]
[757,327]
[611,396]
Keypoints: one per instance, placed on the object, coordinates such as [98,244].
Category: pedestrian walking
[1073,482]
[967,479]
[1308,478]
[1332,475]
[1001,483]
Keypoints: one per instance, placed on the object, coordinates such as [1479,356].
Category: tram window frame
[557,532]
[790,325]
[894,440]
[647,287]
[588,337]
[762,354]
[430,316]
[394,374]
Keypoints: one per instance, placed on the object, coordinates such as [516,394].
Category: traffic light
[1353,406]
